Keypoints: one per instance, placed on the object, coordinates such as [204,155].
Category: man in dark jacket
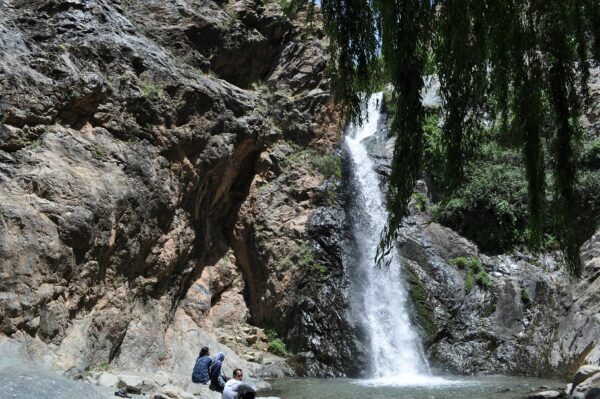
[217,379]
[201,373]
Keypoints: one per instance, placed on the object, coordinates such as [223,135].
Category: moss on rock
[423,310]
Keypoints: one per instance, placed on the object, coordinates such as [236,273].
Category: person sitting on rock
[217,380]
[235,388]
[201,373]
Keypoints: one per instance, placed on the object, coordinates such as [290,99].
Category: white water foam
[406,380]
[397,357]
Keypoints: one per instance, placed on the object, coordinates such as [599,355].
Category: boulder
[107,380]
[583,373]
[197,389]
[162,378]
[547,395]
[590,385]
[592,393]
[132,383]
[172,392]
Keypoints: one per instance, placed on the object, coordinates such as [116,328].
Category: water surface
[488,387]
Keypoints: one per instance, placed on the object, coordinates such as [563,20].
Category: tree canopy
[521,63]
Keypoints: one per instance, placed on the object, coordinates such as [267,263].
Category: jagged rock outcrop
[518,314]
[132,138]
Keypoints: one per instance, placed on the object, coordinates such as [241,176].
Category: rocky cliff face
[508,314]
[152,187]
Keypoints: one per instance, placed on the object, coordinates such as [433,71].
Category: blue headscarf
[220,356]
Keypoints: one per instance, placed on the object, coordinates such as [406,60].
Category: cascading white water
[396,351]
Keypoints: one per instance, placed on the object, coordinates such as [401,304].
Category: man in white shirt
[236,389]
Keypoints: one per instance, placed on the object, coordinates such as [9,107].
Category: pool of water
[463,387]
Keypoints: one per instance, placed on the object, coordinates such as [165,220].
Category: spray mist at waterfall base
[411,380]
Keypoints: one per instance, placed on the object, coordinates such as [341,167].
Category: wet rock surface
[522,314]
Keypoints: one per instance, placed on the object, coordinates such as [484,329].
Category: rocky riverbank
[21,377]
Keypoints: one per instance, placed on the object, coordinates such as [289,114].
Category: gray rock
[162,378]
[173,392]
[592,384]
[592,393]
[22,381]
[547,395]
[123,164]
[583,373]
[132,383]
[108,380]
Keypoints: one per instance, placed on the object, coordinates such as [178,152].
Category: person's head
[237,374]
[220,356]
[204,351]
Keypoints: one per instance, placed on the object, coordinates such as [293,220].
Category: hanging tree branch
[525,60]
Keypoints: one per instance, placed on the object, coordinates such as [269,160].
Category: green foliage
[275,345]
[461,262]
[99,150]
[330,194]
[525,297]
[420,201]
[469,281]
[33,144]
[307,259]
[490,207]
[290,7]
[423,311]
[476,273]
[483,279]
[587,196]
[526,62]
[329,165]
[104,366]
[433,160]
[590,157]
[149,88]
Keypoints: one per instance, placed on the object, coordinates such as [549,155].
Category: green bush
[433,153]
[328,165]
[461,262]
[307,259]
[587,194]
[420,201]
[483,279]
[590,156]
[476,273]
[490,208]
[469,281]
[277,347]
[149,88]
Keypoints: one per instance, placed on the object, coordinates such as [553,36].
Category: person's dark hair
[204,351]
[236,372]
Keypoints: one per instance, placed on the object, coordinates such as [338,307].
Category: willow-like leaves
[524,62]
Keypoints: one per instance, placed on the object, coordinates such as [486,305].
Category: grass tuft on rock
[476,273]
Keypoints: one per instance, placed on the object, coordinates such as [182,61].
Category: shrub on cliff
[490,208]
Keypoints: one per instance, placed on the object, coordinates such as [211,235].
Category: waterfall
[395,348]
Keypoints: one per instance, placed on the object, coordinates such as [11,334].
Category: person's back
[235,388]
[201,373]
[217,382]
